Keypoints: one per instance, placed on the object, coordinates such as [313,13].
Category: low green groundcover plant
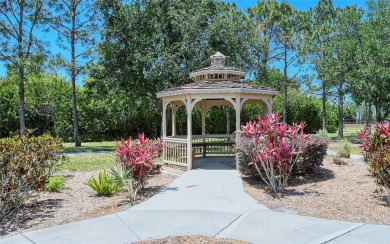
[324,134]
[376,151]
[55,184]
[344,149]
[104,184]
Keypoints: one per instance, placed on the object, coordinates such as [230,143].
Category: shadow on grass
[88,149]
[29,215]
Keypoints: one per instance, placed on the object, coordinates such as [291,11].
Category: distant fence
[353,126]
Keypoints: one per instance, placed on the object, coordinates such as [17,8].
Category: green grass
[354,149]
[89,147]
[93,162]
[89,162]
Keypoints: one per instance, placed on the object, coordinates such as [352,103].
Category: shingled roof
[218,85]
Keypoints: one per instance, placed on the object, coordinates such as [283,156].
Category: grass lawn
[93,162]
[89,162]
[89,147]
[354,149]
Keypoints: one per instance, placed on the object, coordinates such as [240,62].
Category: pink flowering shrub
[137,156]
[276,144]
[376,152]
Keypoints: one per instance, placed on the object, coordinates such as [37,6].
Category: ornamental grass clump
[376,151]
[276,144]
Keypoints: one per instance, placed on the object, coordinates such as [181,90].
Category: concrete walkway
[206,202]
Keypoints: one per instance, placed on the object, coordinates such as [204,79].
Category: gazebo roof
[206,86]
[217,78]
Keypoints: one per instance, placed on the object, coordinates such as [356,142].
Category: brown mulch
[75,202]
[338,192]
[192,240]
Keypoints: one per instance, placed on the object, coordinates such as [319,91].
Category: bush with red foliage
[275,145]
[138,156]
[376,152]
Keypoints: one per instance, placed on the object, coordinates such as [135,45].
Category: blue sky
[299,4]
[243,5]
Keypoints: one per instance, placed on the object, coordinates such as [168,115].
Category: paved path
[206,202]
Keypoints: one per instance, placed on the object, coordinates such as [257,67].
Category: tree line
[126,51]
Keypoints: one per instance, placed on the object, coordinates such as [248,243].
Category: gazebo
[216,85]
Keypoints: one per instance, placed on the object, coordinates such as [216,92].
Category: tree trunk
[368,117]
[77,139]
[378,112]
[22,116]
[340,110]
[285,83]
[324,122]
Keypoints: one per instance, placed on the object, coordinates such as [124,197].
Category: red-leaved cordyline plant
[138,156]
[273,153]
[376,152]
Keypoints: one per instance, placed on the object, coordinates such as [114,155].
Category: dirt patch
[75,202]
[338,192]
[192,240]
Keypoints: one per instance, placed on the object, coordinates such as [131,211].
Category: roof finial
[218,59]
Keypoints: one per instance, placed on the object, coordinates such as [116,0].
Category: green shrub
[313,152]
[345,149]
[55,183]
[26,163]
[105,184]
[243,151]
[124,178]
[324,134]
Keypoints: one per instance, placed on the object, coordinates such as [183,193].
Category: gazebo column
[174,109]
[189,131]
[164,119]
[237,107]
[203,111]
[164,126]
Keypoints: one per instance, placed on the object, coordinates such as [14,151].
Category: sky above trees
[299,4]
[241,4]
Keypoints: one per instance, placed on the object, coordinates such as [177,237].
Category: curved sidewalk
[206,202]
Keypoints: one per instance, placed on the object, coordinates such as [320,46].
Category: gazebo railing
[175,147]
[175,151]
[214,144]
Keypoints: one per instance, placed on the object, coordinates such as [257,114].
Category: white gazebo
[216,85]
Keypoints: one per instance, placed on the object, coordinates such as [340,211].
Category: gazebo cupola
[217,71]
[215,85]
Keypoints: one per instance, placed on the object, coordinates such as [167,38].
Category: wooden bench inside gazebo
[216,85]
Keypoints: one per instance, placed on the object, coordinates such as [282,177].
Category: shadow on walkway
[215,163]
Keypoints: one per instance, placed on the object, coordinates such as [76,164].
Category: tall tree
[75,22]
[288,38]
[19,22]
[372,80]
[340,67]
[264,16]
[319,36]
